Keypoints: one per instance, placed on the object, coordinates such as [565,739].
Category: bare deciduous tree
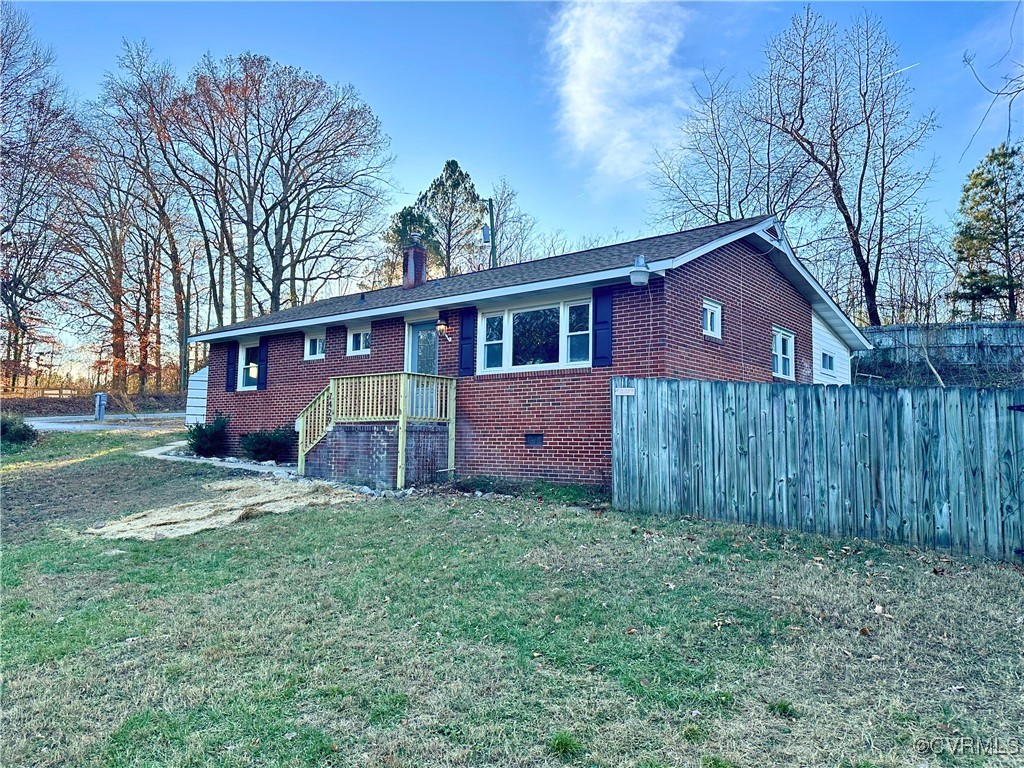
[730,163]
[845,102]
[825,137]
[39,138]
[515,230]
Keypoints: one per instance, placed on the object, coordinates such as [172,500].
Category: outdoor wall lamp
[442,328]
[640,273]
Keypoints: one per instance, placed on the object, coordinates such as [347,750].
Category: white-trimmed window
[783,343]
[316,345]
[711,318]
[828,363]
[494,341]
[531,338]
[359,341]
[248,365]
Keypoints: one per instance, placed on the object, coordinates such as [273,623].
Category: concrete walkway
[279,470]
[87,424]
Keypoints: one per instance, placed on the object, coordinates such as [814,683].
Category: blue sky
[566,100]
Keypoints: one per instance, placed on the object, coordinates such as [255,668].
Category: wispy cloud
[621,90]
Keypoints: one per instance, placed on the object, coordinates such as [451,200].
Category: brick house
[530,348]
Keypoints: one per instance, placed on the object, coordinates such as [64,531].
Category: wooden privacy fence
[928,467]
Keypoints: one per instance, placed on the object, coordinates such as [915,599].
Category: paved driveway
[87,424]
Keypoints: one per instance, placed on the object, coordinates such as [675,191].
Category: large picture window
[556,335]
[535,337]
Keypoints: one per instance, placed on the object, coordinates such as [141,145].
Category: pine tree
[385,269]
[989,240]
[455,209]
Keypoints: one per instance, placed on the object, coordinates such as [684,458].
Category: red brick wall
[293,382]
[754,297]
[570,408]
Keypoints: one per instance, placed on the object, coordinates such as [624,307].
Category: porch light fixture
[640,273]
[442,328]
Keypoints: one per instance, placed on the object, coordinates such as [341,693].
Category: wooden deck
[401,398]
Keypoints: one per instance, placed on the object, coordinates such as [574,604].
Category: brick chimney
[414,263]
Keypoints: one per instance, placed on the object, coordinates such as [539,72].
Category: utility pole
[494,244]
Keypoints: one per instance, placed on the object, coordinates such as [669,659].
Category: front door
[423,359]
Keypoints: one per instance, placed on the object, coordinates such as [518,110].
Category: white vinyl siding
[195,406]
[825,342]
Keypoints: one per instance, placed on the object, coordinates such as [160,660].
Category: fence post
[403,420]
[451,430]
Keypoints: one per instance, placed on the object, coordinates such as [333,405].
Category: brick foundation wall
[656,333]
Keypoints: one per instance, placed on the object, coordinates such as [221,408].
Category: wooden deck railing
[312,424]
[380,397]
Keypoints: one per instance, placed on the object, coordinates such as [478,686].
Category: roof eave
[818,297]
[619,274]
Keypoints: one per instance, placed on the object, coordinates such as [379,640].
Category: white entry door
[423,359]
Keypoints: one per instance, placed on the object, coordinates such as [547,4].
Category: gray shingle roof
[551,268]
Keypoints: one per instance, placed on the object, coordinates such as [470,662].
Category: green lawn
[451,631]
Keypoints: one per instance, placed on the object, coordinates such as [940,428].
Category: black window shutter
[602,327]
[261,373]
[231,350]
[467,341]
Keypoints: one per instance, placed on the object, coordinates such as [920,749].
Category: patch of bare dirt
[232,501]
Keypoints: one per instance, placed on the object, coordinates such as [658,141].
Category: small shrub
[269,444]
[783,708]
[15,431]
[209,439]
[565,745]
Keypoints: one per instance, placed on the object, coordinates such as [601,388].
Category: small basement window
[711,319]
[828,362]
[783,342]
[316,346]
[359,342]
[534,438]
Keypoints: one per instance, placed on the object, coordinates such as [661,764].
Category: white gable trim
[821,302]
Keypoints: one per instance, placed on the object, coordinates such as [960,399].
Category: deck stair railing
[380,397]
